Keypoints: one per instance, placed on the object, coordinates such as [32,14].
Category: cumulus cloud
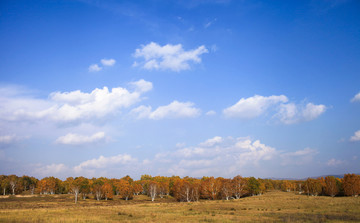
[253,106]
[102,162]
[108,62]
[212,141]
[356,136]
[72,106]
[142,85]
[291,113]
[94,68]
[167,57]
[173,110]
[76,139]
[287,113]
[356,98]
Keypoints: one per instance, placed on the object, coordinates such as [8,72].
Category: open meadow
[274,206]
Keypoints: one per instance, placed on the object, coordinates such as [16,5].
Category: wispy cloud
[208,24]
[299,157]
[210,113]
[335,162]
[76,139]
[104,62]
[8,139]
[102,162]
[356,98]
[175,109]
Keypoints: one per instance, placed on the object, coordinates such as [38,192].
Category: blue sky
[189,88]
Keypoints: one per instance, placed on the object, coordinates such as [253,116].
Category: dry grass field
[273,206]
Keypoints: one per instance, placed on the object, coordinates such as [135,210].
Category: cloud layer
[168,57]
[211,157]
[235,155]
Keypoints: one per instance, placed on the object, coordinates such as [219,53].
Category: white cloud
[7,139]
[299,157]
[335,162]
[207,25]
[356,136]
[51,170]
[142,85]
[72,106]
[287,113]
[356,98]
[210,113]
[168,57]
[94,68]
[291,113]
[312,111]
[108,62]
[212,141]
[102,162]
[215,155]
[75,139]
[253,106]
[173,110]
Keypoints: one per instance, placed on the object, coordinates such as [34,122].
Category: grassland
[273,206]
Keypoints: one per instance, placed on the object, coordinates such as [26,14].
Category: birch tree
[331,188]
[153,189]
[239,186]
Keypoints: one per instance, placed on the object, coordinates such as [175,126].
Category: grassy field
[273,206]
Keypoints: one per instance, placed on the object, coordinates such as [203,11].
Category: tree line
[185,189]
